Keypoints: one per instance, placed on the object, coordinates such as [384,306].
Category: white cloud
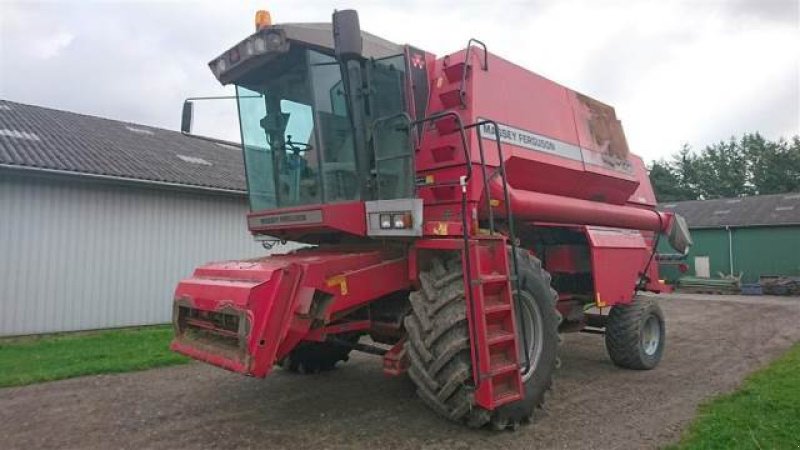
[47,47]
[676,71]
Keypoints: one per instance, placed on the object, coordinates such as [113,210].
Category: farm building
[99,219]
[755,236]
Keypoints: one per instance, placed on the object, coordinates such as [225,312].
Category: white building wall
[78,255]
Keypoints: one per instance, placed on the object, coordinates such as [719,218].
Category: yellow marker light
[440,229]
[338,280]
[598,302]
[263,19]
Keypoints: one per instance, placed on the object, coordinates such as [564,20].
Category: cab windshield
[297,136]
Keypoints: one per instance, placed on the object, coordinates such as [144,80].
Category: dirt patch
[712,344]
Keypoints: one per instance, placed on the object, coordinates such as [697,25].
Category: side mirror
[347,34]
[186,117]
[679,236]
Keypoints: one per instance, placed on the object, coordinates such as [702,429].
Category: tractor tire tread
[440,354]
[622,335]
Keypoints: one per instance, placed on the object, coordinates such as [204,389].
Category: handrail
[382,119]
[509,215]
[485,177]
[462,92]
[449,113]
[506,196]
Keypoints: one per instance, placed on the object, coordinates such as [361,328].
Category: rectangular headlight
[385,221]
[402,221]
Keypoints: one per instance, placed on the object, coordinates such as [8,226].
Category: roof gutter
[754,225]
[137,181]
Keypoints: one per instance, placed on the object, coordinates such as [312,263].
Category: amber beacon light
[263,19]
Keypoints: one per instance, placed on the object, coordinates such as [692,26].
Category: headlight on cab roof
[274,40]
[259,44]
[219,66]
[267,40]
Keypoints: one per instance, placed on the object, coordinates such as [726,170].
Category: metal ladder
[490,299]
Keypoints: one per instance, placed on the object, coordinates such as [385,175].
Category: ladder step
[444,153]
[450,99]
[506,396]
[496,307]
[499,337]
[455,72]
[447,126]
[494,278]
[504,369]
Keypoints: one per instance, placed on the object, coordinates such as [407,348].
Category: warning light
[263,19]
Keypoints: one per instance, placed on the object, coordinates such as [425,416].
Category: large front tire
[438,343]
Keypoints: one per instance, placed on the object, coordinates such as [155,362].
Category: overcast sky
[676,71]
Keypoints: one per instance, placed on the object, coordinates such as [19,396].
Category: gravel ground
[713,343]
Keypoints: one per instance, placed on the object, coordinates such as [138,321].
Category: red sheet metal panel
[246,315]
[567,259]
[556,140]
[618,257]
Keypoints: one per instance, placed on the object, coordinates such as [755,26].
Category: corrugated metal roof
[44,138]
[758,210]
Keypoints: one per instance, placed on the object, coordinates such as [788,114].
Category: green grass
[53,357]
[763,414]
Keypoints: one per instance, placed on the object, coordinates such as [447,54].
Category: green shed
[755,236]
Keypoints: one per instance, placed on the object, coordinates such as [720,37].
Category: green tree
[667,184]
[722,170]
[751,165]
[688,169]
[774,166]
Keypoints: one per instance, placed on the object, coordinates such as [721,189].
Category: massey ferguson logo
[418,61]
[294,218]
[532,141]
[518,137]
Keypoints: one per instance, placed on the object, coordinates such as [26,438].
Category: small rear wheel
[636,335]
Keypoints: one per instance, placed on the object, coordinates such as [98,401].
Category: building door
[702,267]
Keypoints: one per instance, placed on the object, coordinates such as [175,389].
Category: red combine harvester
[462,210]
